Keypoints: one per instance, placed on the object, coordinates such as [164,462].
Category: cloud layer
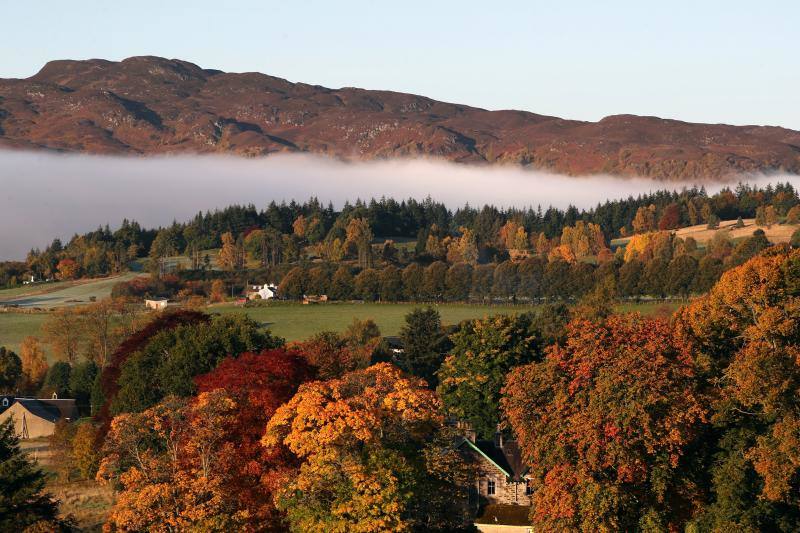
[45,195]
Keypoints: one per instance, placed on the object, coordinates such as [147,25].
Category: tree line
[288,232]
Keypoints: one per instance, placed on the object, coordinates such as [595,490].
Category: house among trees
[501,473]
[157,304]
[37,417]
[267,291]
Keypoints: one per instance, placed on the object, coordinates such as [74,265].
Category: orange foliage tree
[371,456]
[169,464]
[605,422]
[747,332]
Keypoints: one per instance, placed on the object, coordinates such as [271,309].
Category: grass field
[16,326]
[61,294]
[296,321]
[777,233]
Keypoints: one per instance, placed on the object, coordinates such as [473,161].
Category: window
[528,487]
[5,402]
[490,487]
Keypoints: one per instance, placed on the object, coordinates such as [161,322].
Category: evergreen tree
[424,344]
[23,501]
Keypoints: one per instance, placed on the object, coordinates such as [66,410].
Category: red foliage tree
[604,421]
[670,218]
[259,384]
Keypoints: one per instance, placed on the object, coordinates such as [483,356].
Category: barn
[34,418]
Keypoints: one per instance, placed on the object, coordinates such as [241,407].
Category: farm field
[16,326]
[295,321]
[61,294]
[777,233]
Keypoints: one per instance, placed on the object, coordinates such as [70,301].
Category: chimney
[498,437]
[465,428]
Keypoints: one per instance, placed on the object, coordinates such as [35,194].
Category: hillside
[776,233]
[152,105]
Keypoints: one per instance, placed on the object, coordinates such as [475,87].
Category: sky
[729,61]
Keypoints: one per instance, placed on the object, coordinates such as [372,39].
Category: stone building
[501,473]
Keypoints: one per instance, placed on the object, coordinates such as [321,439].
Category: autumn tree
[747,334]
[473,373]
[258,383]
[670,217]
[605,422]
[412,282]
[645,219]
[360,235]
[458,281]
[218,291]
[34,364]
[371,455]
[171,465]
[367,284]
[333,354]
[293,284]
[390,280]
[168,362]
[63,331]
[433,281]
[341,287]
[227,258]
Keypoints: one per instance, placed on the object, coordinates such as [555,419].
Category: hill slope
[152,105]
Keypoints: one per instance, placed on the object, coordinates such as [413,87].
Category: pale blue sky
[711,61]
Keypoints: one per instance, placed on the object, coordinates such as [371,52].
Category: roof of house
[507,458]
[51,410]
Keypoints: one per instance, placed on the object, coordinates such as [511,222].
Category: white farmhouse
[267,291]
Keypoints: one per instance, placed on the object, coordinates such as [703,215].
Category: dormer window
[55,396]
[5,402]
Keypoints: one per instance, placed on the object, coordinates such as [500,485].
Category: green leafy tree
[473,373]
[391,284]
[458,282]
[10,370]
[81,383]
[412,282]
[169,362]
[57,380]
[293,284]
[342,284]
[433,281]
[367,284]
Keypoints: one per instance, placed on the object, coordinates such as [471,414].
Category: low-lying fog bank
[44,195]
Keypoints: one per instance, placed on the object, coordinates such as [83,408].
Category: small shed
[157,304]
[35,418]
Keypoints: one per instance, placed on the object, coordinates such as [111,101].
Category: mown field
[776,234]
[295,321]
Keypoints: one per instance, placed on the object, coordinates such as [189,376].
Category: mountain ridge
[152,105]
